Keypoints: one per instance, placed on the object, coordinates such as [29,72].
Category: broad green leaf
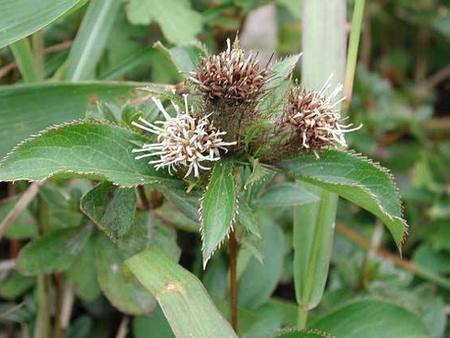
[185,58]
[111,208]
[81,149]
[179,23]
[155,323]
[312,242]
[372,318]
[20,18]
[284,195]
[354,178]
[53,252]
[28,109]
[122,291]
[303,334]
[218,208]
[90,41]
[83,273]
[260,278]
[15,285]
[183,299]
[266,322]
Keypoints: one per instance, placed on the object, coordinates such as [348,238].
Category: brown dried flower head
[315,119]
[231,76]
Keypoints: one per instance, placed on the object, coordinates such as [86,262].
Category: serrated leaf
[180,31]
[372,318]
[183,299]
[20,18]
[354,178]
[218,208]
[82,149]
[53,252]
[125,293]
[111,208]
[258,174]
[247,218]
[284,195]
[303,334]
[28,109]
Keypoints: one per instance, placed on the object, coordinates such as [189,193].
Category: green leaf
[83,273]
[27,109]
[272,103]
[123,292]
[20,18]
[303,334]
[91,38]
[185,58]
[312,242]
[53,252]
[178,22]
[285,195]
[259,279]
[372,319]
[183,299]
[218,208]
[15,285]
[247,218]
[24,226]
[156,323]
[357,179]
[187,203]
[111,208]
[81,149]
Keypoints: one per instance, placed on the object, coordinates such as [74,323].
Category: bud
[183,142]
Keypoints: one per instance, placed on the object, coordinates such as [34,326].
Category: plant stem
[302,317]
[24,60]
[143,196]
[352,55]
[232,251]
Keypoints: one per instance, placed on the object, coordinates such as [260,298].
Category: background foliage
[57,263]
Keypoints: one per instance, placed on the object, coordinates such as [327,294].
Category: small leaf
[356,179]
[89,149]
[285,195]
[15,285]
[372,318]
[53,252]
[258,174]
[247,218]
[20,18]
[183,299]
[178,22]
[218,208]
[272,103]
[112,209]
[123,292]
[187,203]
[185,58]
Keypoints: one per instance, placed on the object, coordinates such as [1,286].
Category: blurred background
[401,96]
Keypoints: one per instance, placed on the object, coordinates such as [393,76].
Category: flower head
[230,76]
[183,141]
[315,118]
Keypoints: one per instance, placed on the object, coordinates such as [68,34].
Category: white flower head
[183,141]
[316,118]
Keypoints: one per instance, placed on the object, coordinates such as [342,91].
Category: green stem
[302,317]
[352,54]
[38,53]
[24,60]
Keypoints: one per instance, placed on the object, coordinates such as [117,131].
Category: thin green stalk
[24,60]
[352,54]
[38,53]
[302,317]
